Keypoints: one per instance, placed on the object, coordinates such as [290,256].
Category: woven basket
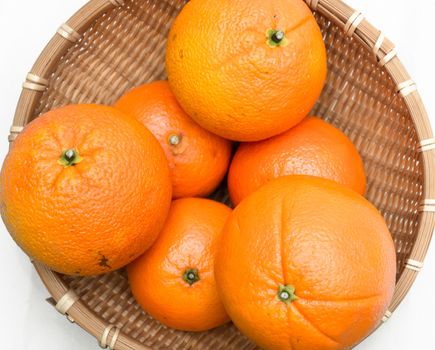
[110,46]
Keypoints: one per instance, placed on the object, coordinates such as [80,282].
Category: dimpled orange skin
[323,239]
[188,241]
[200,160]
[93,217]
[313,147]
[229,78]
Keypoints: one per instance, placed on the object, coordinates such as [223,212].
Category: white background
[28,322]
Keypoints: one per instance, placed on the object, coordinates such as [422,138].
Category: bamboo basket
[110,46]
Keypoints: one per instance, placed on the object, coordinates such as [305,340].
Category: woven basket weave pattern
[122,49]
[125,47]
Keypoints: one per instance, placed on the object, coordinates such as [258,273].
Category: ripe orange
[174,280]
[246,70]
[85,190]
[197,158]
[313,147]
[306,263]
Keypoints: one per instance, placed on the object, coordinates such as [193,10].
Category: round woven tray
[109,46]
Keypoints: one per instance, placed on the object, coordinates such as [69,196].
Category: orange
[306,263]
[85,190]
[313,147]
[174,280]
[246,69]
[197,158]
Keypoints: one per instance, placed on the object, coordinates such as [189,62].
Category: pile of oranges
[301,260]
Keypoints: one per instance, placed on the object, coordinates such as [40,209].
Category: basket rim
[355,25]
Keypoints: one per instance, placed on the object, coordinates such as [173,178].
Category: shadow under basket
[110,46]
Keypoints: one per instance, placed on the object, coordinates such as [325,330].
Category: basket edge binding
[355,25]
[68,303]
